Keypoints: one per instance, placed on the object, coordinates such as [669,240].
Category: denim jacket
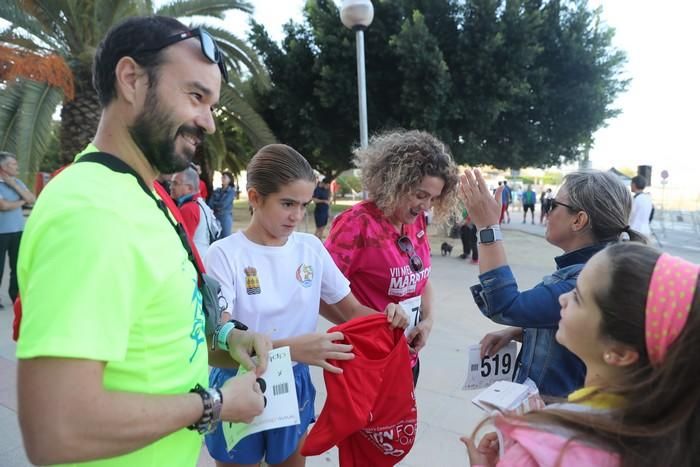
[555,370]
[221,201]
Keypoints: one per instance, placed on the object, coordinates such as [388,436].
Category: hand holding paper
[280,392]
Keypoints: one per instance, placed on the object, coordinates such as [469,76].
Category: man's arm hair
[67,416]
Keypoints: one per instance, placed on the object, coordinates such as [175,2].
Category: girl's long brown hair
[659,425]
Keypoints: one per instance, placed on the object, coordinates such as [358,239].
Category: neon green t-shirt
[103,276]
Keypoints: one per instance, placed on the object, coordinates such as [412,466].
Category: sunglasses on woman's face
[209,48]
[556,203]
[406,246]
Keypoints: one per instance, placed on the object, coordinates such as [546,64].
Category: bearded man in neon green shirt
[112,356]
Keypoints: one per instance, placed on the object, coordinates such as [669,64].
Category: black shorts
[321,218]
[531,207]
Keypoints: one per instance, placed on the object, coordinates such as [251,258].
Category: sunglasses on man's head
[209,48]
[406,246]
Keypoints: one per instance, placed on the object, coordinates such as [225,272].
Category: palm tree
[38,84]
[72,29]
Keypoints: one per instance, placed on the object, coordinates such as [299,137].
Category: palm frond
[215,148]
[39,102]
[10,101]
[13,12]
[107,13]
[10,36]
[238,52]
[75,22]
[247,118]
[51,14]
[236,159]
[26,109]
[211,8]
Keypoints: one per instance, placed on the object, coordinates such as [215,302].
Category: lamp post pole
[361,85]
[357,15]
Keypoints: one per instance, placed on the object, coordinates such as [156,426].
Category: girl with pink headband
[634,320]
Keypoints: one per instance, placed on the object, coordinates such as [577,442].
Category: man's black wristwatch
[213,400]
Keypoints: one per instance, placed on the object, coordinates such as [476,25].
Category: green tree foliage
[510,83]
[72,29]
[425,80]
[552,178]
[25,123]
[349,183]
[312,82]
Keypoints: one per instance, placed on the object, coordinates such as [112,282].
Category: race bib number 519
[481,373]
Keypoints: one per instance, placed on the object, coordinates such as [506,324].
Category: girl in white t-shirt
[273,280]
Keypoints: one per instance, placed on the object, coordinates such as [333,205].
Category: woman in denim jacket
[590,210]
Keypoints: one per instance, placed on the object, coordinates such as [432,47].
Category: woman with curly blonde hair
[381,244]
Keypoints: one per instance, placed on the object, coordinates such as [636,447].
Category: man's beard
[152,134]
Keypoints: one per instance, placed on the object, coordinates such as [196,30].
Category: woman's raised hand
[483,207]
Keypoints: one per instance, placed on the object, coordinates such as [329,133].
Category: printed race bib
[481,373]
[412,308]
[280,391]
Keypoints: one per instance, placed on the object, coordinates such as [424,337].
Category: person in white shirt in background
[642,207]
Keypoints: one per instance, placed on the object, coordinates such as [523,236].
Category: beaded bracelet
[213,400]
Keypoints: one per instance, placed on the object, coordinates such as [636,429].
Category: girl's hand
[244,344]
[317,348]
[484,208]
[395,316]
[486,453]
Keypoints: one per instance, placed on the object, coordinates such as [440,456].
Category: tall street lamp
[357,15]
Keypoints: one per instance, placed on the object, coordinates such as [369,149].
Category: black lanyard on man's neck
[117,165]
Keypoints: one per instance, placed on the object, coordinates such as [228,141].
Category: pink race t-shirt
[363,243]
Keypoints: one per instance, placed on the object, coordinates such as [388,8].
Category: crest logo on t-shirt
[305,275]
[252,283]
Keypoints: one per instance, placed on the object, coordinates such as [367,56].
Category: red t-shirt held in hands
[370,412]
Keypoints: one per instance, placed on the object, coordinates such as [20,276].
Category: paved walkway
[445,410]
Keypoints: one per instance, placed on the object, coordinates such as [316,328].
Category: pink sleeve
[532,447]
[517,456]
[344,242]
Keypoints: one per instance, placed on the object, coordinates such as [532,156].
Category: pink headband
[670,297]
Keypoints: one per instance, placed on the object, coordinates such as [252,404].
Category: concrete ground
[445,410]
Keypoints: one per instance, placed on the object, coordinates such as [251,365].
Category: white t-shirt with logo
[275,290]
